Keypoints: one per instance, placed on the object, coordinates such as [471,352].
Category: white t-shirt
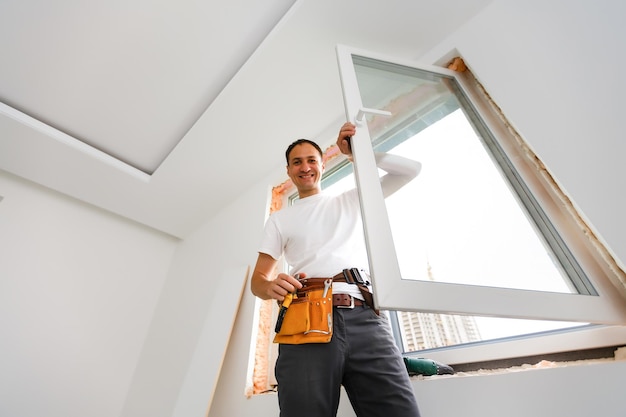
[320,235]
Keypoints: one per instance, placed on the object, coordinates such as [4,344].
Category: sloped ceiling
[162,112]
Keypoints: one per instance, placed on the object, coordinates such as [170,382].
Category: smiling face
[305,169]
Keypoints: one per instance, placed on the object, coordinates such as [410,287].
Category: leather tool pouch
[309,318]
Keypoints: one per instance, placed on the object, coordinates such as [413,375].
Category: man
[320,236]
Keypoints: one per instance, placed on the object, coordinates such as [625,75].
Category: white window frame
[391,292]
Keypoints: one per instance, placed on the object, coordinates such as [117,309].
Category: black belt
[351,276]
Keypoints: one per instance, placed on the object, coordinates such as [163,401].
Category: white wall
[583,390]
[74,278]
[554,67]
[78,288]
[189,334]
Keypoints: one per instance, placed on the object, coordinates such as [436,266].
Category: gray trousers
[361,356]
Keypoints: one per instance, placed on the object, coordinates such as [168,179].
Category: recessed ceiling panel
[127,78]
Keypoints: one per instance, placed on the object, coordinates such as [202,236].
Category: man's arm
[400,170]
[264,287]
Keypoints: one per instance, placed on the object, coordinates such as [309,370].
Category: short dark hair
[300,142]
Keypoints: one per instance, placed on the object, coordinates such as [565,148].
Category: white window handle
[361,114]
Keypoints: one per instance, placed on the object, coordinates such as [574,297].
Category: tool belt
[307,315]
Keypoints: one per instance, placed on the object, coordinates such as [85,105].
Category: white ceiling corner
[174,89]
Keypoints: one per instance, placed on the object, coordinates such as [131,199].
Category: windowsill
[556,346]
[544,364]
[620,356]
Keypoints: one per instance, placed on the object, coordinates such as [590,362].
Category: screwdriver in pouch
[283,308]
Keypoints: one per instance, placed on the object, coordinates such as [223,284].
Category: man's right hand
[266,288]
[282,285]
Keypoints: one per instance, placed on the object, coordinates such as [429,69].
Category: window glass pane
[458,221]
[418,331]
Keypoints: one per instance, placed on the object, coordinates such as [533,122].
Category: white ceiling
[162,112]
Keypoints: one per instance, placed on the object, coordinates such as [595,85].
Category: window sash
[597,304]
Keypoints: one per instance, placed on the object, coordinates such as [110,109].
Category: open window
[482,245]
[482,231]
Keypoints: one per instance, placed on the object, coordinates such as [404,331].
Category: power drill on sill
[428,367]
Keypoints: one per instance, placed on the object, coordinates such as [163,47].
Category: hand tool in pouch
[283,308]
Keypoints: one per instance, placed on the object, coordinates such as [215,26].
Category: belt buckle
[351,306]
